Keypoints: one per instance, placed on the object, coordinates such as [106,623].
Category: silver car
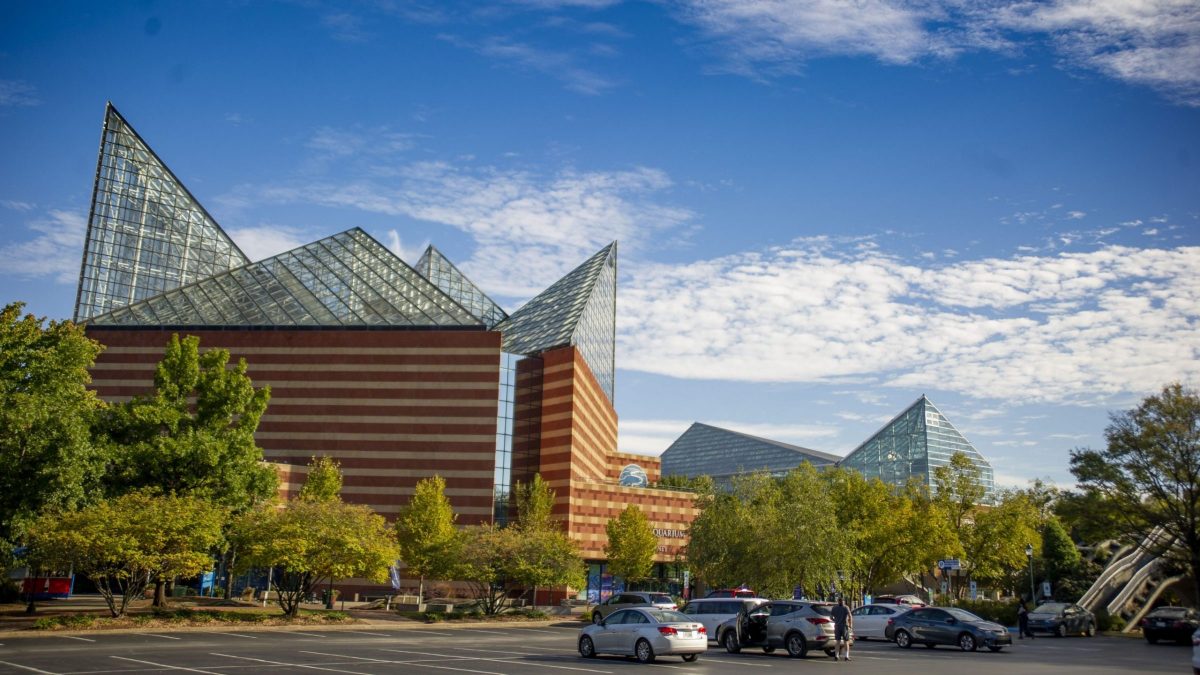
[645,632]
[795,625]
[632,599]
[870,621]
[712,612]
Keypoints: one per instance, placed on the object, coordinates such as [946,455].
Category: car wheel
[730,640]
[587,649]
[690,657]
[903,639]
[596,618]
[966,642]
[768,649]
[643,651]
[995,648]
[1091,630]
[1061,631]
[831,653]
[796,645]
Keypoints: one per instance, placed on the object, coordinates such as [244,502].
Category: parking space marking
[493,632]
[363,632]
[296,632]
[72,637]
[164,665]
[29,668]
[518,655]
[289,665]
[548,632]
[248,637]
[723,658]
[433,632]
[423,664]
[165,637]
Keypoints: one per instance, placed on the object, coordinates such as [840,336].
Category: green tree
[194,435]
[486,556]
[994,543]
[309,541]
[958,489]
[430,544]
[324,481]
[47,457]
[544,555]
[1090,516]
[121,542]
[631,544]
[1062,560]
[535,504]
[1150,470]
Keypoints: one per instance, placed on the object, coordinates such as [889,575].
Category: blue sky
[824,208]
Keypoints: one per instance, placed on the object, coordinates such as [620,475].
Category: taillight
[818,620]
[891,622]
[667,630]
[702,630]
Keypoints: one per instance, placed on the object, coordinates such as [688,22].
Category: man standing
[1023,620]
[843,624]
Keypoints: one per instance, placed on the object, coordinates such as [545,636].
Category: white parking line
[493,632]
[559,632]
[248,637]
[29,668]
[165,637]
[433,632]
[363,632]
[164,665]
[72,637]
[288,665]
[296,632]
[424,665]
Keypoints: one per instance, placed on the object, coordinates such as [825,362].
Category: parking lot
[517,650]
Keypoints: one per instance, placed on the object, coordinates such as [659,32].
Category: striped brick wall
[392,407]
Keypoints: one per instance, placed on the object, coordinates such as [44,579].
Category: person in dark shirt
[843,624]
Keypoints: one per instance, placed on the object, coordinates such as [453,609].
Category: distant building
[398,372]
[705,450]
[913,444]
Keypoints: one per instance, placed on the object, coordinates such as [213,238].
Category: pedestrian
[843,625]
[1023,620]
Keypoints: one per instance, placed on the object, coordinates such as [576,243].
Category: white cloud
[16,205]
[409,254]
[264,241]
[18,93]
[56,251]
[560,65]
[812,314]
[1076,215]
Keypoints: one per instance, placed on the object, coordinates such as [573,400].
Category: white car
[644,632]
[713,612]
[870,620]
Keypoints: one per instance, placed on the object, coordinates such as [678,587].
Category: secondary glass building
[705,450]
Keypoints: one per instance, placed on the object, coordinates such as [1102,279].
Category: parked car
[911,600]
[1062,619]
[933,626]
[712,612]
[870,621]
[731,593]
[644,633]
[631,599]
[795,625]
[1170,623]
[1196,653]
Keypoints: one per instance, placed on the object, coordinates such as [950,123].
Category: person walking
[1023,620]
[843,625]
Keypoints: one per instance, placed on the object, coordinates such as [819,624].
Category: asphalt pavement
[519,650]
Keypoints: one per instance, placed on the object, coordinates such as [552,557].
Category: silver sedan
[645,632]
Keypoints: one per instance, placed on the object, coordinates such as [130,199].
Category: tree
[535,504]
[121,542]
[47,457]
[631,544]
[1062,560]
[309,541]
[1090,517]
[324,481]
[194,435]
[430,544]
[994,542]
[958,489]
[1150,470]
[544,555]
[486,554]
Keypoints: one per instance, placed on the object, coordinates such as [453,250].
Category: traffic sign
[973,590]
[949,564]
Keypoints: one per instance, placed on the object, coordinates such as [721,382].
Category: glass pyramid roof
[581,310]
[915,443]
[348,279]
[146,233]
[436,268]
[705,450]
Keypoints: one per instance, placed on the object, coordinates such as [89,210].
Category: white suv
[712,612]
[795,625]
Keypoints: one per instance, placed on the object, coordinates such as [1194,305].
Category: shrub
[46,623]
[434,617]
[1003,613]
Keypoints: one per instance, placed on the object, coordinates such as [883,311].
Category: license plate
[685,633]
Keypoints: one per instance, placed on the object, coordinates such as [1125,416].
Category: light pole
[1032,591]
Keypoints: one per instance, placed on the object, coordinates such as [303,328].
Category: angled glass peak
[915,443]
[348,279]
[580,310]
[438,269]
[146,233]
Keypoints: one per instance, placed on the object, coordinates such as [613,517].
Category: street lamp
[1029,554]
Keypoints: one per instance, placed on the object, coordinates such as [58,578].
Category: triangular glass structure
[438,269]
[348,279]
[915,443]
[581,310]
[705,450]
[146,233]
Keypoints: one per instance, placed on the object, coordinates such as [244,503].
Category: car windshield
[669,616]
[1169,611]
[1051,608]
[661,599]
[962,614]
